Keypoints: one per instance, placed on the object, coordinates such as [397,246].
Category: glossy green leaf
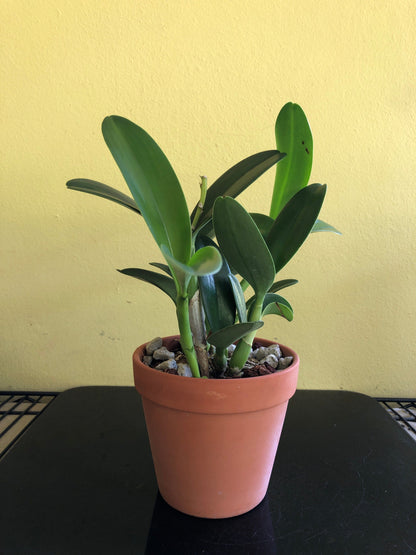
[165,283]
[243,245]
[153,184]
[263,222]
[294,223]
[205,261]
[104,191]
[235,180]
[293,136]
[205,230]
[164,267]
[275,304]
[282,284]
[239,298]
[319,225]
[217,293]
[227,336]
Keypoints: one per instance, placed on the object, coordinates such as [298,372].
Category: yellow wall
[206,79]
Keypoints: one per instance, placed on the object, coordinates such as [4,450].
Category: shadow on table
[174,532]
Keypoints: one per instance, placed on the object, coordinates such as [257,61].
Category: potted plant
[215,396]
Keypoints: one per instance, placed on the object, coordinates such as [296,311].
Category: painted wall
[207,80]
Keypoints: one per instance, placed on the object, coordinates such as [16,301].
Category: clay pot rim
[287,351]
[216,396]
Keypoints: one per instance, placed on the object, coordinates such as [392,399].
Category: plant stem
[196,319]
[242,351]
[201,202]
[182,313]
[220,359]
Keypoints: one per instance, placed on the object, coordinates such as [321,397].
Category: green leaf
[237,179]
[275,304]
[319,225]
[101,190]
[293,136]
[282,284]
[239,298]
[217,293]
[227,336]
[243,245]
[164,267]
[165,283]
[294,223]
[263,222]
[153,184]
[204,262]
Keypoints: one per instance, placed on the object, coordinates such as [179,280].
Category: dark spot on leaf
[307,150]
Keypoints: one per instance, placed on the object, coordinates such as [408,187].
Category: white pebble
[167,365]
[275,350]
[147,360]
[285,362]
[184,370]
[260,353]
[270,359]
[154,344]
[163,354]
[230,350]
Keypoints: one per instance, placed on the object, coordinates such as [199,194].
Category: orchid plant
[206,250]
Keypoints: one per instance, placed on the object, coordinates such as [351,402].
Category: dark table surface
[81,481]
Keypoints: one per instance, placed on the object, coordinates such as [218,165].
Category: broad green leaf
[294,223]
[104,191]
[319,225]
[164,267]
[164,283]
[282,284]
[235,180]
[153,184]
[239,298]
[217,293]
[205,261]
[243,245]
[205,230]
[263,222]
[275,304]
[293,136]
[227,336]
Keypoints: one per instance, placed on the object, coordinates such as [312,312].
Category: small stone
[270,359]
[184,370]
[147,360]
[230,350]
[284,362]
[275,350]
[167,365]
[260,353]
[154,344]
[163,354]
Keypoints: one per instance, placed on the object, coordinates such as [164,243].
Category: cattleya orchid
[219,250]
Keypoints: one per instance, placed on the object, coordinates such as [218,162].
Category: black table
[80,481]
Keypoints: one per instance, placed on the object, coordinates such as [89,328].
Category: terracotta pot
[214,441]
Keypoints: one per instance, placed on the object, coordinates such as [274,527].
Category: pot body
[214,442]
